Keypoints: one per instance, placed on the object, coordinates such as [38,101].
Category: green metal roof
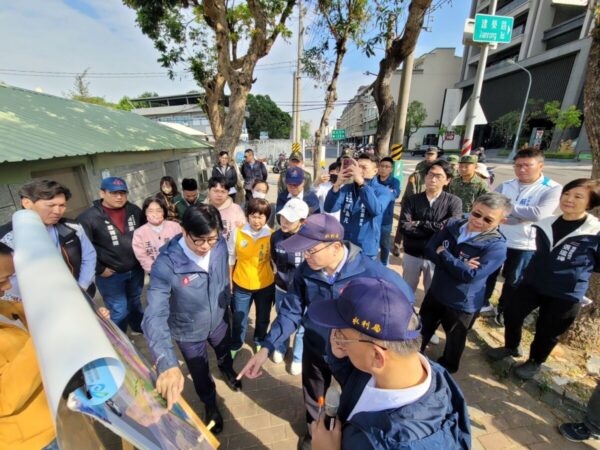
[40,126]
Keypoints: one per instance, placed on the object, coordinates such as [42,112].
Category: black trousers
[316,378]
[555,317]
[455,323]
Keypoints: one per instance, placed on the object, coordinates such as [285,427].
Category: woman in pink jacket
[156,232]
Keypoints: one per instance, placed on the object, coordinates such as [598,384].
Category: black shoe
[527,370]
[576,432]
[230,378]
[496,354]
[212,414]
[499,319]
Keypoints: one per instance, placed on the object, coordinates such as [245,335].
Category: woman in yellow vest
[251,274]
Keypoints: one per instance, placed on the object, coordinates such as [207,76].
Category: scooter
[281,164]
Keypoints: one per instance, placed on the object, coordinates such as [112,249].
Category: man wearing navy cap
[330,264]
[392,396]
[294,179]
[110,224]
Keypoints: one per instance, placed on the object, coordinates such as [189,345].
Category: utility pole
[476,95]
[294,109]
[297,75]
[402,106]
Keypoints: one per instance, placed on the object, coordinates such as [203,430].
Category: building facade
[433,73]
[551,40]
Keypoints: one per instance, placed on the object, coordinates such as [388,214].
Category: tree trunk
[585,332]
[398,49]
[330,99]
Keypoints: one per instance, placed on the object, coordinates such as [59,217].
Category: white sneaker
[296,368]
[277,357]
[435,340]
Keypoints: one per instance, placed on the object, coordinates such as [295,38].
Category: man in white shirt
[392,396]
[533,196]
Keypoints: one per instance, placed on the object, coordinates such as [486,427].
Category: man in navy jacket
[392,396]
[296,188]
[465,253]
[330,264]
[362,203]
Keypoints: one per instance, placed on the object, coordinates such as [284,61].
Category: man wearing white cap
[291,217]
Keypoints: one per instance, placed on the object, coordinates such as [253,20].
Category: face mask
[256,194]
[333,178]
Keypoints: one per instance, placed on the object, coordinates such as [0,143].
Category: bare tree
[207,38]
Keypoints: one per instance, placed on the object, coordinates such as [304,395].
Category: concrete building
[79,144]
[183,109]
[433,73]
[549,38]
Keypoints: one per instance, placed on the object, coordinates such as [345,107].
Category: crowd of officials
[345,313]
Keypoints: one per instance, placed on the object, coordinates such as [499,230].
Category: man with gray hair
[465,253]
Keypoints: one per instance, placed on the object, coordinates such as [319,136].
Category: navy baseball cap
[375,307]
[317,228]
[294,175]
[114,184]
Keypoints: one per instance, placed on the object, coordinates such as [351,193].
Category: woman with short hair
[557,278]
[252,277]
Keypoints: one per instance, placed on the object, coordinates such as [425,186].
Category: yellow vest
[253,269]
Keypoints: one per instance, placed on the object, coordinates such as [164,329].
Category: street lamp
[514,149]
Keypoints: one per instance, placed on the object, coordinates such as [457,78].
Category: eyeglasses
[199,242]
[487,220]
[436,176]
[312,252]
[342,340]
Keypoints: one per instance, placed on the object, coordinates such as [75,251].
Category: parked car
[422,149]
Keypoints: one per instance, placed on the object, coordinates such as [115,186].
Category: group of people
[324,268]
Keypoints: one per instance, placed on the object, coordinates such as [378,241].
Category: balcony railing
[565,27]
[510,6]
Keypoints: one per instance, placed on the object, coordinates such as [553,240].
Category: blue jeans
[298,339]
[512,271]
[242,299]
[52,446]
[122,294]
[385,243]
[196,358]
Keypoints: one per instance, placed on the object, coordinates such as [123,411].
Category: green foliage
[305,130]
[265,115]
[415,117]
[506,125]
[124,104]
[563,119]
[148,94]
[459,129]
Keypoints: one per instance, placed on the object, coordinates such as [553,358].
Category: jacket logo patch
[566,252]
[243,243]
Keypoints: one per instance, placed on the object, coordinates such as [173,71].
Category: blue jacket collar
[182,264]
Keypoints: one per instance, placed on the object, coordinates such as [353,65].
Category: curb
[547,386]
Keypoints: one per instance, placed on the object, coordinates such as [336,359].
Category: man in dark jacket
[330,264]
[252,170]
[295,160]
[190,194]
[110,224]
[422,215]
[227,171]
[296,188]
[49,200]
[392,396]
[188,295]
[362,203]
[465,253]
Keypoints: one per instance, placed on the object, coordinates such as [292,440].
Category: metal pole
[294,109]
[475,96]
[516,143]
[403,96]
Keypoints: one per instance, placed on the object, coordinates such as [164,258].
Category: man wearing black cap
[330,264]
[392,396]
[295,160]
[295,188]
[110,224]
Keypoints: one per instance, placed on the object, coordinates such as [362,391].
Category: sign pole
[476,95]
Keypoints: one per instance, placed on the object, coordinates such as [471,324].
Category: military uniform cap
[469,159]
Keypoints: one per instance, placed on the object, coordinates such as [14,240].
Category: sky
[67,36]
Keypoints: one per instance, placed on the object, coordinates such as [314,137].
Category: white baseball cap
[294,210]
[481,169]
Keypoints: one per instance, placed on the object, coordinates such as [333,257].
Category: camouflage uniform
[468,191]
